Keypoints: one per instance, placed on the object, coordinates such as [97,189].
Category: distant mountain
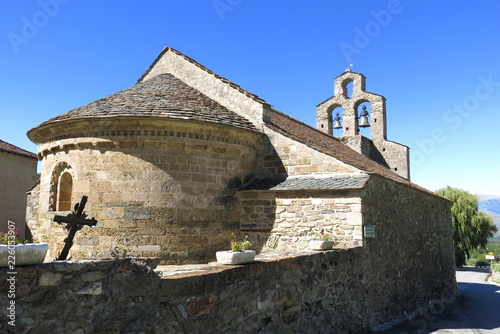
[490,204]
[496,219]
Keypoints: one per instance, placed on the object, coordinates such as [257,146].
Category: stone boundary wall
[304,292]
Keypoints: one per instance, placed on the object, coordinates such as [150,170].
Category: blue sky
[436,62]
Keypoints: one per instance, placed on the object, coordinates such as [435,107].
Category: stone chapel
[177,163]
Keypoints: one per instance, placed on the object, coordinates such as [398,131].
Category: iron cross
[74,222]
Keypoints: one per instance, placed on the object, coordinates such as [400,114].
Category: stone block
[280,209]
[112,212]
[111,224]
[316,161]
[50,279]
[125,224]
[92,276]
[197,306]
[137,213]
[87,240]
[267,195]
[112,197]
[100,186]
[149,248]
[317,201]
[94,288]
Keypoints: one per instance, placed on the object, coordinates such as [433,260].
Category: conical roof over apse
[163,96]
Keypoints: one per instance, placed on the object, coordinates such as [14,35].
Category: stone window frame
[61,179]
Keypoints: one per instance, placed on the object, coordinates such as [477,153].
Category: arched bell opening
[348,88]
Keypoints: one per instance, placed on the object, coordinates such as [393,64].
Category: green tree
[471,228]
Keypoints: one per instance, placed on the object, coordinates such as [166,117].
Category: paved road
[476,311]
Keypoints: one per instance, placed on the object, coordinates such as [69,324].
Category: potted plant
[16,251]
[238,254]
[324,242]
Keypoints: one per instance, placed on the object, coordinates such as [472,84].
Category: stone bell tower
[390,154]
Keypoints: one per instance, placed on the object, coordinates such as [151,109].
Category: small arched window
[61,188]
[65,191]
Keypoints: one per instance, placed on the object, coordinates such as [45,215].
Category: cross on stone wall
[74,222]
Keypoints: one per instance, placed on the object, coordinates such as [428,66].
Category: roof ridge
[194,62]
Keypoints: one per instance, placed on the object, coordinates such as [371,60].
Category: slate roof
[338,182]
[332,146]
[9,148]
[161,96]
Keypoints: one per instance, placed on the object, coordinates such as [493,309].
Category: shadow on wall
[258,208]
[199,186]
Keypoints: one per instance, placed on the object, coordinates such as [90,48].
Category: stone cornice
[113,134]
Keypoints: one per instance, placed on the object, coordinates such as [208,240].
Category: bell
[364,119]
[336,122]
[364,122]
